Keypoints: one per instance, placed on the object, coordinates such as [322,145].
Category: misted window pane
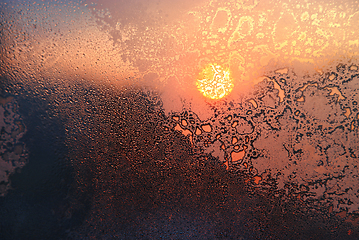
[179,119]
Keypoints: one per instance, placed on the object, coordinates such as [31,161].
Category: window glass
[179,119]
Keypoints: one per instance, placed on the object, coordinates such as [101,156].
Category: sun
[214,82]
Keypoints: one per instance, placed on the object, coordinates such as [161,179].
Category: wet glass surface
[179,119]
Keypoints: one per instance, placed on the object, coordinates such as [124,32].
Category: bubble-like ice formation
[307,137]
[13,153]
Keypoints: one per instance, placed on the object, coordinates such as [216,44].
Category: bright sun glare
[214,82]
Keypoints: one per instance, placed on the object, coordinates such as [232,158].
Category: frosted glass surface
[151,119]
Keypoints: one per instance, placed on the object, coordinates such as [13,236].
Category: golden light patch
[214,82]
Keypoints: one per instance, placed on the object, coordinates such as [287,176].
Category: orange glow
[214,82]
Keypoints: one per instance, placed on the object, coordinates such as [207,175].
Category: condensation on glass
[288,126]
